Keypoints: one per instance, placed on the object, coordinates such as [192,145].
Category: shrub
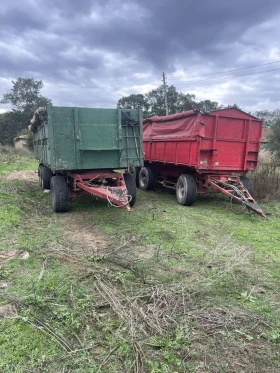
[266,182]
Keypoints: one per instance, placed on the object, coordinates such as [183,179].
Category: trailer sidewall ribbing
[83,149]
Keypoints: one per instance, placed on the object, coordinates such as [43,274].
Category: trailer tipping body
[225,140]
[202,152]
[80,150]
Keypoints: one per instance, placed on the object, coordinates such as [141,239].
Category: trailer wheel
[131,188]
[186,190]
[45,175]
[59,194]
[146,179]
[247,184]
[134,171]
[40,175]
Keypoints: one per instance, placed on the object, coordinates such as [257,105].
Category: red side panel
[224,140]
[173,139]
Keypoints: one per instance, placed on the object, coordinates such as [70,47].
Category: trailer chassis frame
[233,188]
[103,184]
[230,185]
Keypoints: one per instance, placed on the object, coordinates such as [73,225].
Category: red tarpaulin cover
[186,124]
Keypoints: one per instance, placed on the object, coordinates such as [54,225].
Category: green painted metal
[88,139]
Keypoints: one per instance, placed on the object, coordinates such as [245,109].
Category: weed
[272,336]
[247,336]
[266,182]
[183,290]
[15,159]
[247,297]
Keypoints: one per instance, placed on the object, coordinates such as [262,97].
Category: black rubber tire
[40,172]
[135,172]
[131,188]
[45,177]
[59,194]
[186,190]
[247,184]
[146,179]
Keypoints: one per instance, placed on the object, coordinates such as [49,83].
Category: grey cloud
[172,28]
[20,17]
[95,48]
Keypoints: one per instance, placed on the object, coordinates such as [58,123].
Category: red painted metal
[225,140]
[216,148]
[114,190]
[233,188]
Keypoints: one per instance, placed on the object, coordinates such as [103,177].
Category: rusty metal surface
[114,191]
[233,188]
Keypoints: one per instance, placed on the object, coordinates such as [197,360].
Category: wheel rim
[143,180]
[181,190]
[132,171]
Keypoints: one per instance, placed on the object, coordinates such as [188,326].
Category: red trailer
[196,152]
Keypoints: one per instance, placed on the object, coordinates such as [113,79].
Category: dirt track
[74,223]
[22,175]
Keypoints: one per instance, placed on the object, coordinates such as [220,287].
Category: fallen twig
[41,273]
[105,360]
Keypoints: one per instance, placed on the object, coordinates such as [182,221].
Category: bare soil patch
[8,310]
[79,231]
[12,254]
[230,340]
[22,175]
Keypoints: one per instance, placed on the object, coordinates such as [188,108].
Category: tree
[25,98]
[134,101]
[156,101]
[270,117]
[271,120]
[208,105]
[273,143]
[10,125]
[177,101]
[184,102]
[29,138]
[232,106]
[153,103]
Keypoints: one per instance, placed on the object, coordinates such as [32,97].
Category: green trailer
[88,150]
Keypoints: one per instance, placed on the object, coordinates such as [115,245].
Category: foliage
[25,95]
[270,117]
[177,101]
[266,182]
[215,284]
[25,98]
[15,159]
[271,120]
[208,105]
[153,102]
[135,101]
[10,125]
[273,143]
[30,137]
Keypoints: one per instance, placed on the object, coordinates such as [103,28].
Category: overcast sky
[92,52]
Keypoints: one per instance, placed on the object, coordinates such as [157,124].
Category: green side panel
[42,145]
[88,139]
[98,144]
[64,137]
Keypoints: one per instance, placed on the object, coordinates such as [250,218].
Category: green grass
[192,231]
[15,160]
[209,277]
